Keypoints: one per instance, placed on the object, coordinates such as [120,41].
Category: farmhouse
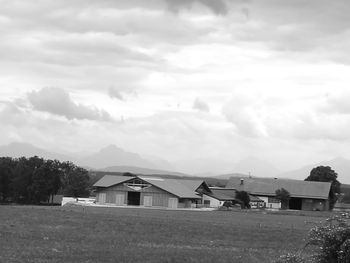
[305,195]
[150,191]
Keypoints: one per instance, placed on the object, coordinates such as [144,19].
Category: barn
[150,191]
[305,195]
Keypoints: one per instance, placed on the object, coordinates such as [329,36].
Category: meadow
[98,234]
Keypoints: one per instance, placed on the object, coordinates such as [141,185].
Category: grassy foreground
[94,234]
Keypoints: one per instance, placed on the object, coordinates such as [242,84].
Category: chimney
[242,181]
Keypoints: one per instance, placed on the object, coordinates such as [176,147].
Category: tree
[7,165]
[243,196]
[326,174]
[23,178]
[75,180]
[283,195]
[46,181]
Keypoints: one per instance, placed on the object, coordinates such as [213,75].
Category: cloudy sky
[179,79]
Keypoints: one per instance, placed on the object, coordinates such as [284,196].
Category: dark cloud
[58,102]
[200,105]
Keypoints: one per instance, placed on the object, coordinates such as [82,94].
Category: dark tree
[46,181]
[7,165]
[283,195]
[243,196]
[75,180]
[128,174]
[326,174]
[23,178]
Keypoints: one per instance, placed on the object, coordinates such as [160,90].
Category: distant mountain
[140,170]
[17,149]
[227,176]
[114,156]
[203,166]
[340,165]
[255,167]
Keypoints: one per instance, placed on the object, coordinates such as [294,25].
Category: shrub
[332,240]
[290,258]
[328,243]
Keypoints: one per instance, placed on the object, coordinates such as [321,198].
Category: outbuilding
[218,196]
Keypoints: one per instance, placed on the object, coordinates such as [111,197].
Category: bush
[329,243]
[290,258]
[332,240]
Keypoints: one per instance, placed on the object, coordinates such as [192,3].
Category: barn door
[102,198]
[147,200]
[172,203]
[119,199]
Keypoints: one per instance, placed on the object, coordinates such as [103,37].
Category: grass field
[94,234]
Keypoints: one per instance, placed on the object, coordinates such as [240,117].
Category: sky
[178,79]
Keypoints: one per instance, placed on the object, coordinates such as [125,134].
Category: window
[273,200]
[137,184]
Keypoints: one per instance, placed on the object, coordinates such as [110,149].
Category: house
[150,191]
[305,195]
[218,195]
[256,202]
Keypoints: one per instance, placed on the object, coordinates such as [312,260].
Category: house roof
[222,194]
[180,187]
[268,187]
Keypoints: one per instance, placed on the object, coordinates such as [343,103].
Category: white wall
[213,202]
[270,205]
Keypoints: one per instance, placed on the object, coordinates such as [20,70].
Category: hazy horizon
[180,80]
[113,158]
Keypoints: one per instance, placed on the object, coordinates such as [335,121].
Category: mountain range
[115,159]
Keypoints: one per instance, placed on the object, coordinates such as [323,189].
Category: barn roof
[222,194]
[180,187]
[268,187]
[109,180]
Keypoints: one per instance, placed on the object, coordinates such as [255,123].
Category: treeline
[35,180]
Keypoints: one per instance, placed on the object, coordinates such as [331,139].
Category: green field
[93,234]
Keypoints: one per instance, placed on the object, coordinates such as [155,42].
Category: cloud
[246,113]
[200,105]
[121,92]
[219,7]
[337,103]
[58,102]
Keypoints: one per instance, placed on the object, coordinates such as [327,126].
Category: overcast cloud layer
[179,79]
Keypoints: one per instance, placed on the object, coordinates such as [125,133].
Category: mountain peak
[111,148]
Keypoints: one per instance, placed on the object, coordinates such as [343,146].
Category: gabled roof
[222,194]
[268,187]
[109,180]
[254,198]
[179,187]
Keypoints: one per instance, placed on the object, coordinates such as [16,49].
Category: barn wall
[315,204]
[160,197]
